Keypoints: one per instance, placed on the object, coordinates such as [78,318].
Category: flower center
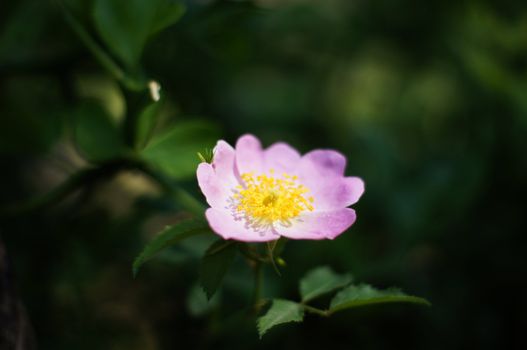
[268,199]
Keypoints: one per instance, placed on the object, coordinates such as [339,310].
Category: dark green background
[427,99]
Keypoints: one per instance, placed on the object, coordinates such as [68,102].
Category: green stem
[188,201]
[251,255]
[57,194]
[179,194]
[104,59]
[258,283]
[270,251]
[89,176]
[314,310]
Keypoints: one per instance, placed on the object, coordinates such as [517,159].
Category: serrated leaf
[320,281]
[168,237]
[364,294]
[126,25]
[174,151]
[281,311]
[96,136]
[215,264]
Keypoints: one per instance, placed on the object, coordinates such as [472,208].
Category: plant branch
[90,176]
[251,255]
[314,310]
[73,183]
[104,59]
[258,283]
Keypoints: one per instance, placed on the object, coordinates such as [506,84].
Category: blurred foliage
[426,99]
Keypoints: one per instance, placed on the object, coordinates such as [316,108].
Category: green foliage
[174,151]
[281,311]
[363,294]
[40,132]
[96,135]
[197,302]
[126,25]
[207,156]
[215,264]
[15,30]
[169,236]
[429,108]
[277,247]
[168,12]
[320,281]
[146,122]
[274,249]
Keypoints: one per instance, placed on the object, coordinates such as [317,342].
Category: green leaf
[146,122]
[215,264]
[168,12]
[281,311]
[197,302]
[96,136]
[170,236]
[320,281]
[363,294]
[174,151]
[126,25]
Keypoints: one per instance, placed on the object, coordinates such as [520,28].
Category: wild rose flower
[258,195]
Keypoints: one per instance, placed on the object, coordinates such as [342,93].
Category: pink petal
[215,189]
[334,193]
[282,158]
[321,171]
[319,225]
[322,163]
[223,159]
[249,155]
[217,180]
[224,224]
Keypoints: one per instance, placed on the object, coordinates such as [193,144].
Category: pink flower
[258,195]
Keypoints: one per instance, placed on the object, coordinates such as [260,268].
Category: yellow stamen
[268,199]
